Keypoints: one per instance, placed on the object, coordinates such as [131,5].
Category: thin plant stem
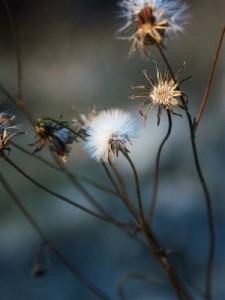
[164,262]
[23,109]
[153,245]
[16,41]
[81,277]
[123,192]
[107,217]
[114,184]
[137,184]
[209,82]
[61,197]
[134,276]
[156,175]
[85,179]
[83,190]
[210,219]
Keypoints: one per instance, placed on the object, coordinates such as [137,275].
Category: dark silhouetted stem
[81,277]
[85,192]
[134,276]
[209,82]
[61,197]
[123,192]
[78,178]
[210,219]
[156,176]
[137,184]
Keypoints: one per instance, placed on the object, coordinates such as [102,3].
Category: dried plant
[107,135]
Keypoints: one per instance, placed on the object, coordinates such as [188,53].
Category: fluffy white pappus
[174,11]
[109,133]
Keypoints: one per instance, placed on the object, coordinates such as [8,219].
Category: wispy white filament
[174,11]
[110,125]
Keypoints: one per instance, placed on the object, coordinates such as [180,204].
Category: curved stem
[210,219]
[156,176]
[99,293]
[61,197]
[134,276]
[209,267]
[137,184]
[209,82]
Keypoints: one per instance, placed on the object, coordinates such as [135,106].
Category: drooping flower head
[151,21]
[55,136]
[109,133]
[8,130]
[162,93]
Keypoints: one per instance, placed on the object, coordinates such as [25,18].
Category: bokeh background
[71,60]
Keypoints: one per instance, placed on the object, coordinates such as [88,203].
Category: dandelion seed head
[149,22]
[109,133]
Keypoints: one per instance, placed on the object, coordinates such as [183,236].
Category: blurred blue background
[70,61]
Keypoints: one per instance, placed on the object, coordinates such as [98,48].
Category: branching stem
[210,219]
[99,293]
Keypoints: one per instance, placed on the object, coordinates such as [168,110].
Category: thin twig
[137,184]
[23,109]
[209,82]
[85,192]
[156,176]
[134,276]
[210,219]
[85,179]
[61,197]
[81,277]
[160,254]
[123,192]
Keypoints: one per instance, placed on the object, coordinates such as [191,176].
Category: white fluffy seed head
[109,133]
[151,21]
[175,11]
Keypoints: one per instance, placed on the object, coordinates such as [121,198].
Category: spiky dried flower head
[151,21]
[7,131]
[55,135]
[162,93]
[109,133]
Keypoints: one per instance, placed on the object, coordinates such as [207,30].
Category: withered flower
[151,21]
[7,131]
[161,93]
[55,136]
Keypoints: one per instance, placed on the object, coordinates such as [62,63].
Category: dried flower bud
[55,136]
